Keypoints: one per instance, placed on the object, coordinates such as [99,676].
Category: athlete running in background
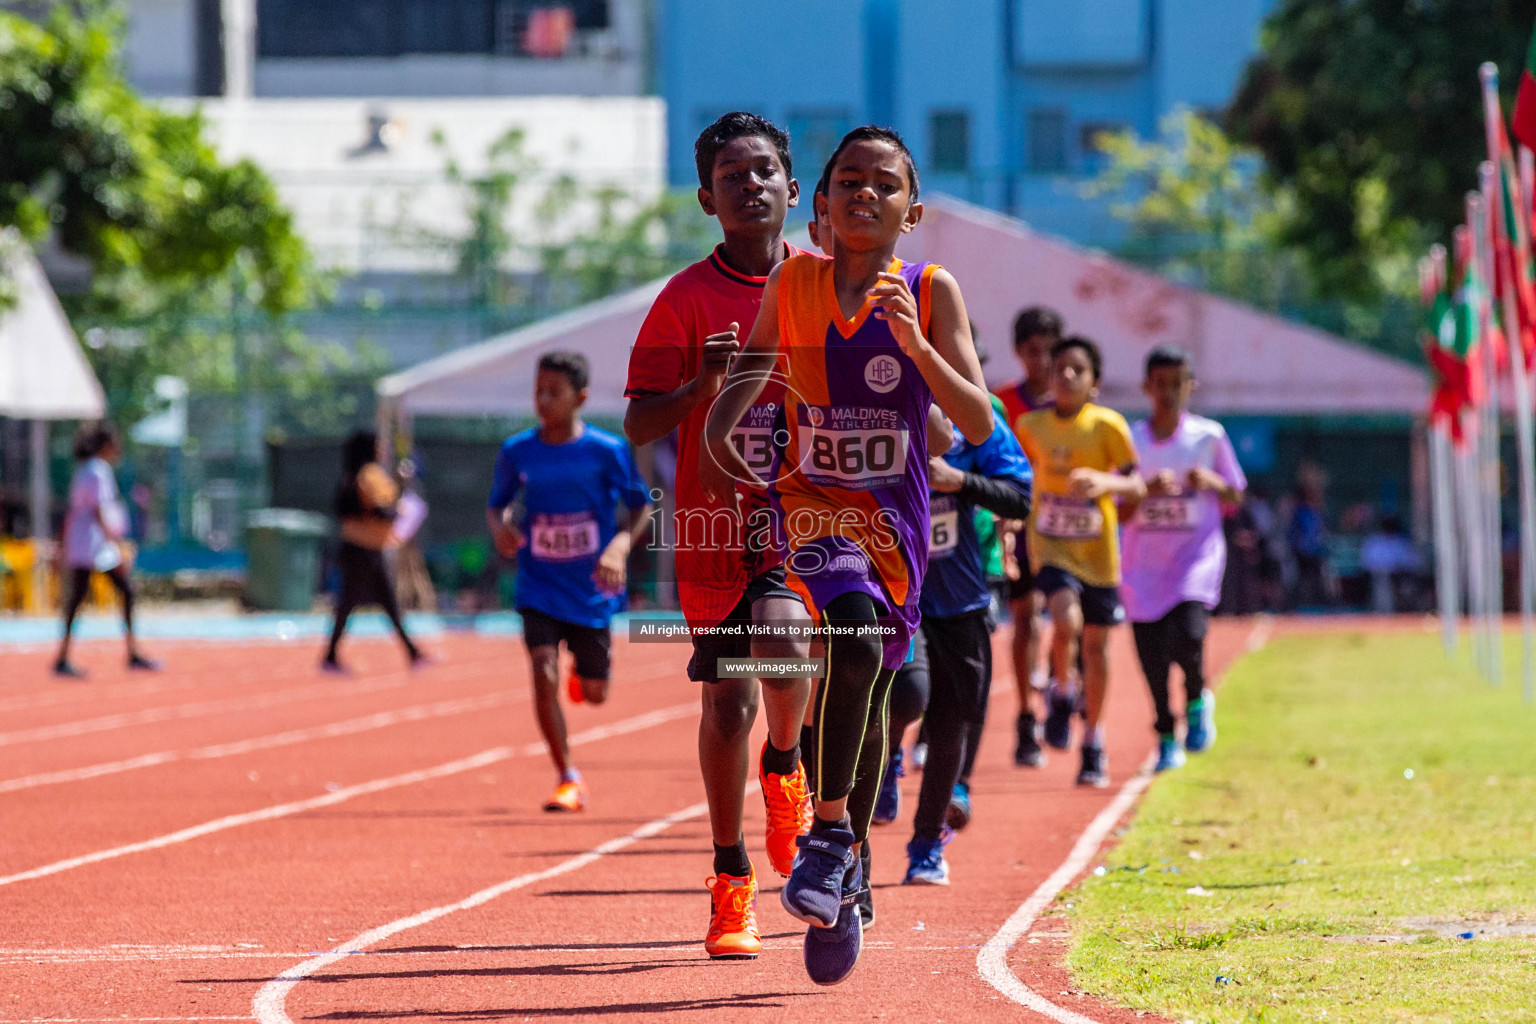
[948,680]
[1175,551]
[1035,331]
[870,343]
[553,507]
[676,370]
[1084,462]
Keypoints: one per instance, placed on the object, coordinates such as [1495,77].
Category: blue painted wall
[1033,79]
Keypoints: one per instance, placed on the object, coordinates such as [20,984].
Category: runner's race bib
[753,438]
[943,527]
[1066,518]
[1167,512]
[564,537]
[856,448]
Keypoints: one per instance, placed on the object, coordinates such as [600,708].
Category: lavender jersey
[1173,547]
[851,490]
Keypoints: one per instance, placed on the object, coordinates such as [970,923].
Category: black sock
[821,826]
[780,762]
[732,860]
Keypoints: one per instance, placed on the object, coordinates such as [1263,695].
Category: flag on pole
[1512,269]
[1451,341]
[1524,120]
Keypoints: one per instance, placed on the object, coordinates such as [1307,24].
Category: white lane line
[198,709]
[269,1006]
[284,810]
[352,726]
[992,961]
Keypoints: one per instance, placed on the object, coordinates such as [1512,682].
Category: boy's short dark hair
[735,125]
[1036,320]
[572,364]
[91,438]
[1168,355]
[870,133]
[1095,357]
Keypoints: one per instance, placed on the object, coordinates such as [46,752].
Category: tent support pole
[38,512]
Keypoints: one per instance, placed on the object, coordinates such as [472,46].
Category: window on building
[949,136]
[390,28]
[814,132]
[1046,140]
[1088,135]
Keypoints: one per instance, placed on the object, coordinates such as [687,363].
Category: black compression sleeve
[998,495]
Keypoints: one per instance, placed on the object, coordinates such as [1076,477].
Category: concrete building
[999,99]
[387,47]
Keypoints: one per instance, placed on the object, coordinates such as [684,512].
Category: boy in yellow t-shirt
[1084,463]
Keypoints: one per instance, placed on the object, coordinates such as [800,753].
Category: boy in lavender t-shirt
[1174,551]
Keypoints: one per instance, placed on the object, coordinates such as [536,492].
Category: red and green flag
[1451,343]
[1524,120]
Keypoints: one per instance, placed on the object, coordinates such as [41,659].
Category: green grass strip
[1295,872]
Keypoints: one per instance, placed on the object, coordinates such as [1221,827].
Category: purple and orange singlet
[851,488]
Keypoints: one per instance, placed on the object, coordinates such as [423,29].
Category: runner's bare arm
[652,417]
[947,360]
[611,572]
[721,466]
[504,533]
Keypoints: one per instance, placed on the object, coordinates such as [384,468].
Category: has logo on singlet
[882,374]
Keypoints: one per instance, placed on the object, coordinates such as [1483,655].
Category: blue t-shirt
[567,496]
[957,581]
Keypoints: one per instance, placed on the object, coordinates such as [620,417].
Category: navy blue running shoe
[1169,754]
[1058,719]
[814,891]
[831,953]
[866,895]
[925,863]
[888,800]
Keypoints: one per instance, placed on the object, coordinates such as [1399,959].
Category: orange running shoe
[733,931]
[568,796]
[573,688]
[788,802]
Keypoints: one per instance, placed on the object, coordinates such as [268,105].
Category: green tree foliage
[182,246]
[1198,212]
[618,242]
[1368,114]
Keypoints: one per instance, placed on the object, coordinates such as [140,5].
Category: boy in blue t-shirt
[553,507]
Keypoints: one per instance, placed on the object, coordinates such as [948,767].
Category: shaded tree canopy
[1368,113]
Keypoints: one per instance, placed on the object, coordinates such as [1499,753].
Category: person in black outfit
[365,506]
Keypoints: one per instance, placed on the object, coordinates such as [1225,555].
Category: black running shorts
[591,645]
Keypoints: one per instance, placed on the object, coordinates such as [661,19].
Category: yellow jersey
[1077,535]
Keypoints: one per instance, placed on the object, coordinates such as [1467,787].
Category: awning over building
[1248,362]
[43,373]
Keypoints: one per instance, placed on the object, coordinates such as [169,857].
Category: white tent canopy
[43,373]
[1247,361]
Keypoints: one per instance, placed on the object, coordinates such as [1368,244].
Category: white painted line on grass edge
[480,760]
[269,1006]
[992,961]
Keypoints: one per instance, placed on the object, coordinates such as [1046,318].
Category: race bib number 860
[855,453]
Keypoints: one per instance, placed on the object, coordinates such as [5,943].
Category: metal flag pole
[1479,265]
[1525,423]
[1432,282]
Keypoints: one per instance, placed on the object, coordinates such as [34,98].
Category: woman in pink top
[1173,548]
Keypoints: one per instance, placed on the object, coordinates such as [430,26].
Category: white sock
[1094,737]
[570,775]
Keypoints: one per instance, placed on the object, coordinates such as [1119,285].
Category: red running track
[174,843]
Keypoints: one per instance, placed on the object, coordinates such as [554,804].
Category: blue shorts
[1101,605]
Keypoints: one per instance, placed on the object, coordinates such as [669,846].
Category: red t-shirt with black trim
[713,560]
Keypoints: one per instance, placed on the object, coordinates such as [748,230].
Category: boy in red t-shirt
[728,575]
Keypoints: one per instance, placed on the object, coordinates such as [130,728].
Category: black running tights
[1177,638]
